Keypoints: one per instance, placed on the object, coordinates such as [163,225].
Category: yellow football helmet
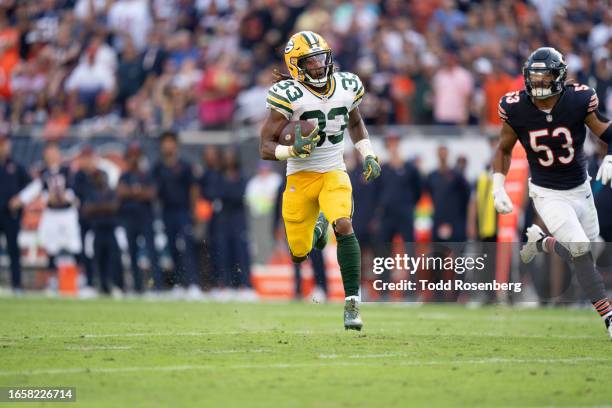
[309,58]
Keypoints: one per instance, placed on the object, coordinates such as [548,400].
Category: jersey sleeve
[508,108]
[279,102]
[593,101]
[502,110]
[585,97]
[360,91]
[506,105]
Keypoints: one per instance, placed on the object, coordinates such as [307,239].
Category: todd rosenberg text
[456,284]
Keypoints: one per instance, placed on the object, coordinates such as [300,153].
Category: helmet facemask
[544,83]
[316,68]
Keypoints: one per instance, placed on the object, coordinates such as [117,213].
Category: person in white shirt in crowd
[261,197]
[59,232]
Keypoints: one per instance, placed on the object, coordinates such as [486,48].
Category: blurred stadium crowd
[136,67]
[130,66]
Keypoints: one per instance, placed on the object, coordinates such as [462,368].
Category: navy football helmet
[545,72]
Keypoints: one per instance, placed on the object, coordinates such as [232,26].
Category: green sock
[349,259]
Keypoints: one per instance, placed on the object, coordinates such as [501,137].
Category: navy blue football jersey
[553,141]
[56,183]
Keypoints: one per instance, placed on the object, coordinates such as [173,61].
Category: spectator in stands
[9,54]
[89,80]
[13,178]
[136,192]
[132,18]
[249,110]
[217,92]
[177,191]
[495,84]
[131,73]
[231,42]
[452,89]
[100,207]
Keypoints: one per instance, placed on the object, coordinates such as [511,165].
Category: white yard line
[164,334]
[96,348]
[383,329]
[384,363]
[234,351]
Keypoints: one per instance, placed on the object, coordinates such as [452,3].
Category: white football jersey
[331,110]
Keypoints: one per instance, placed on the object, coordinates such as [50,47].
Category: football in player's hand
[287,136]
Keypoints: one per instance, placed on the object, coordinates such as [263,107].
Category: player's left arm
[361,140]
[601,126]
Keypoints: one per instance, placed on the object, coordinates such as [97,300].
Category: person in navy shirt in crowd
[365,220]
[398,193]
[136,192]
[83,183]
[13,178]
[450,194]
[177,192]
[100,207]
[210,186]
[232,248]
[364,205]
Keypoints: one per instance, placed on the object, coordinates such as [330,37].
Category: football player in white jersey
[318,188]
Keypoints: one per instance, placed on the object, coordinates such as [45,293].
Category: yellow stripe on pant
[306,194]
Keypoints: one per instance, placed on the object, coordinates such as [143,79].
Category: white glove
[605,171]
[501,200]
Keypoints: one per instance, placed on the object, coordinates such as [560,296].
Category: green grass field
[139,353]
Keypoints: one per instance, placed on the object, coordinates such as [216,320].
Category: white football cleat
[352,317]
[609,326]
[530,249]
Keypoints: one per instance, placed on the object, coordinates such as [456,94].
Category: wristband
[498,181]
[283,152]
[606,136]
[365,148]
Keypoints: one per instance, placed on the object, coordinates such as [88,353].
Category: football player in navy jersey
[548,118]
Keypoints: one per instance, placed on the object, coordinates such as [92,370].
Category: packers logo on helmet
[309,59]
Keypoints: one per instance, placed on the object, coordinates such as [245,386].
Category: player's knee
[578,249]
[299,251]
[298,259]
[343,226]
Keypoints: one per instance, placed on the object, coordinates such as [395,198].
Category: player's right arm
[501,165]
[503,153]
[271,130]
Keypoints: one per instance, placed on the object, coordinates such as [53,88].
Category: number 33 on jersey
[553,140]
[330,110]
